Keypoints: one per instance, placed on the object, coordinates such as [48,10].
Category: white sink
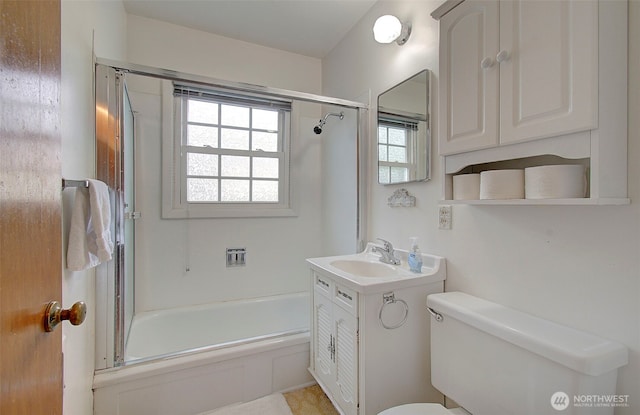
[364,268]
[364,272]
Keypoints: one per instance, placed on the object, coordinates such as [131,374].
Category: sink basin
[364,268]
[365,273]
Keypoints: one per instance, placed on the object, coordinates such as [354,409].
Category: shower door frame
[109,96]
[111,133]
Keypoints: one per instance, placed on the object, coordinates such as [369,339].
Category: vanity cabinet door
[335,342]
[323,337]
[516,70]
[469,77]
[346,360]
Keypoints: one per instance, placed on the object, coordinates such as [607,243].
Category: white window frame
[174,203]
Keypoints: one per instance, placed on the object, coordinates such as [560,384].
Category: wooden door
[30,206]
[469,78]
[549,69]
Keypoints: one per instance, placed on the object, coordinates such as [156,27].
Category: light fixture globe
[389,28]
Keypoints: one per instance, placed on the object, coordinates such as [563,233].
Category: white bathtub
[191,360]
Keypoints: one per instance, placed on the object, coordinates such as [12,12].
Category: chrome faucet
[387,253]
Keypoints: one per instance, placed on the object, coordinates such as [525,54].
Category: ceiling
[307,27]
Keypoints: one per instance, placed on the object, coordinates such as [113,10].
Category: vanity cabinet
[370,335]
[335,341]
[529,83]
[512,71]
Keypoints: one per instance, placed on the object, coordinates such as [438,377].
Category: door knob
[54,314]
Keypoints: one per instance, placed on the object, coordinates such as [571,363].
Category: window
[230,154]
[396,139]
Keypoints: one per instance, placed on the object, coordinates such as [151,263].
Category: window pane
[235,116]
[265,120]
[202,190]
[382,153]
[264,141]
[383,174]
[265,191]
[397,136]
[382,134]
[399,174]
[202,111]
[235,191]
[265,167]
[398,154]
[235,166]
[234,139]
[202,164]
[201,136]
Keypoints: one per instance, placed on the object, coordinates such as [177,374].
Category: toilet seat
[423,409]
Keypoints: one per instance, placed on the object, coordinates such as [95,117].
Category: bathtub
[191,360]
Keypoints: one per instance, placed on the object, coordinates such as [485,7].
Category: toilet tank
[495,360]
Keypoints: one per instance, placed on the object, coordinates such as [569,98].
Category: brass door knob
[54,314]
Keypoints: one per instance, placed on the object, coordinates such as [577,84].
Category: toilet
[494,360]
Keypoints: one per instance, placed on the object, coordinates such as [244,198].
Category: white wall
[81,20]
[577,265]
[276,247]
[163,45]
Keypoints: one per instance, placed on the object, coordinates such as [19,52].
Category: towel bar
[74,183]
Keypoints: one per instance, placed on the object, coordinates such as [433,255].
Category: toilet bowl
[423,409]
[480,350]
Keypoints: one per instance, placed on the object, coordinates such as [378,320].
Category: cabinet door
[346,360]
[323,338]
[468,99]
[548,68]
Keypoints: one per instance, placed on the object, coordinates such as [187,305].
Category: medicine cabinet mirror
[404,132]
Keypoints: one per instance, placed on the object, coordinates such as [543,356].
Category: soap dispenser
[415,256]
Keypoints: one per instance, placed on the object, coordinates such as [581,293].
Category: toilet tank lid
[578,350]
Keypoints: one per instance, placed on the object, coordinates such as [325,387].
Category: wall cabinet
[362,366]
[522,79]
[513,71]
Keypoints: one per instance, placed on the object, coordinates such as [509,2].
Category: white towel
[90,237]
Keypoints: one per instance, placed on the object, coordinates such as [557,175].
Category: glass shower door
[127,280]
[115,152]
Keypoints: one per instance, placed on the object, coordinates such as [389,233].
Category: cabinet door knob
[502,56]
[486,63]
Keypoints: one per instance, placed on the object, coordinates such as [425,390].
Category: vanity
[370,330]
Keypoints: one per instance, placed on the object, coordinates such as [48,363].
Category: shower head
[318,128]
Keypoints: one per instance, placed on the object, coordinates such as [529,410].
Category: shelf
[542,202]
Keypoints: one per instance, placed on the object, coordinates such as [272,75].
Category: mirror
[404,133]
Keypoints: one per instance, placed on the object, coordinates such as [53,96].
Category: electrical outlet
[444,217]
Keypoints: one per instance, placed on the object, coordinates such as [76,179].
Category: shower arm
[334,114]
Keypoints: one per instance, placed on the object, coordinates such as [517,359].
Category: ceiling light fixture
[389,28]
